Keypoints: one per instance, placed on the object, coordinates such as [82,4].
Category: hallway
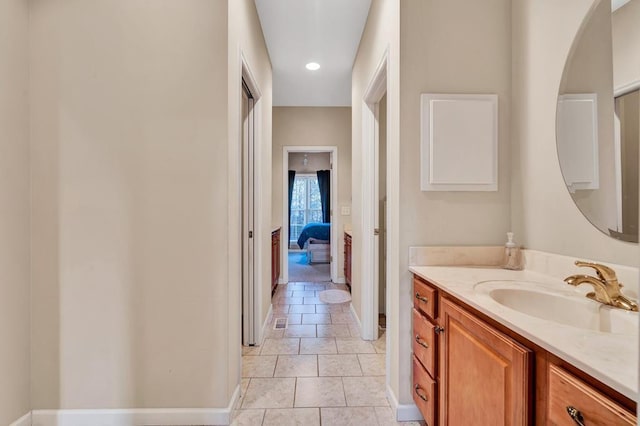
[316,371]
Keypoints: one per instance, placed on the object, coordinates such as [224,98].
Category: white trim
[265,326]
[403,412]
[235,399]
[23,421]
[333,150]
[369,271]
[355,316]
[341,280]
[258,238]
[133,417]
[626,88]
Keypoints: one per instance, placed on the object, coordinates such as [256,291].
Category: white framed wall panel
[459,142]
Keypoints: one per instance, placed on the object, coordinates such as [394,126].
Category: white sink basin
[562,306]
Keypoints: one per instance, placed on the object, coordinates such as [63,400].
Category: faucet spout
[624,302]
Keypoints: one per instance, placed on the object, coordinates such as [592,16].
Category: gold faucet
[606,286]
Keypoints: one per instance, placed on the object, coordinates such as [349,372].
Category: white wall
[543,212]
[380,37]
[129,167]
[14,211]
[314,126]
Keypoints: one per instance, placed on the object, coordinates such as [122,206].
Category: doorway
[307,231]
[309,217]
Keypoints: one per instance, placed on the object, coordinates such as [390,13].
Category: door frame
[377,88]
[252,311]
[284,236]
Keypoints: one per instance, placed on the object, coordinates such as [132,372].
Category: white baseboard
[340,281]
[355,316]
[135,417]
[403,412]
[265,325]
[281,281]
[23,421]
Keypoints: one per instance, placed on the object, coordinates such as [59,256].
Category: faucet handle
[604,272]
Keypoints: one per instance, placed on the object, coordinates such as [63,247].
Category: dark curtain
[292,178]
[324,182]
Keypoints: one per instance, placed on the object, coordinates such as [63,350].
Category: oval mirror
[597,118]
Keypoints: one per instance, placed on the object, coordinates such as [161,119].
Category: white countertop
[610,358]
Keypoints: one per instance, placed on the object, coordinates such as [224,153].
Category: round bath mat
[334,296]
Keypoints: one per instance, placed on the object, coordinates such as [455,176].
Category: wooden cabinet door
[484,375]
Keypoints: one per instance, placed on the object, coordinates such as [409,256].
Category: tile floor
[317,371]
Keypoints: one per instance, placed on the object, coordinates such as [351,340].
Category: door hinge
[250,234]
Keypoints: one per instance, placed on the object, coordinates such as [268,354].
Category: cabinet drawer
[424,391]
[424,341]
[566,390]
[424,297]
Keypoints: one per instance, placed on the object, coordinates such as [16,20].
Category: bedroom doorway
[309,249]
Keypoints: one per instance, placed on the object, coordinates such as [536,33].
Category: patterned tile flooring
[317,371]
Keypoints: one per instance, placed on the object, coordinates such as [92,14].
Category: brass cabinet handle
[575,415]
[421,342]
[438,329]
[421,395]
[421,298]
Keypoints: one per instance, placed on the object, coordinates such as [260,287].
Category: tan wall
[14,211]
[129,167]
[460,46]
[626,44]
[543,212]
[590,71]
[381,36]
[245,38]
[314,126]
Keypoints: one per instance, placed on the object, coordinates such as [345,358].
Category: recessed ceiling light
[313,66]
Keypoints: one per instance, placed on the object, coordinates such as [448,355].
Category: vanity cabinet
[484,375]
[275,259]
[464,370]
[470,369]
[347,259]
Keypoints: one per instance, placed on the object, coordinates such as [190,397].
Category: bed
[318,251]
[319,231]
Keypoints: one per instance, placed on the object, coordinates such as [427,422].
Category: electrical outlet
[345,211]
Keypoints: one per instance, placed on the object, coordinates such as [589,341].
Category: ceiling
[617,4]
[301,31]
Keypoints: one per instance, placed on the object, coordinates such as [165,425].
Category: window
[305,204]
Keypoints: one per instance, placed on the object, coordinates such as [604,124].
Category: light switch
[345,211]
